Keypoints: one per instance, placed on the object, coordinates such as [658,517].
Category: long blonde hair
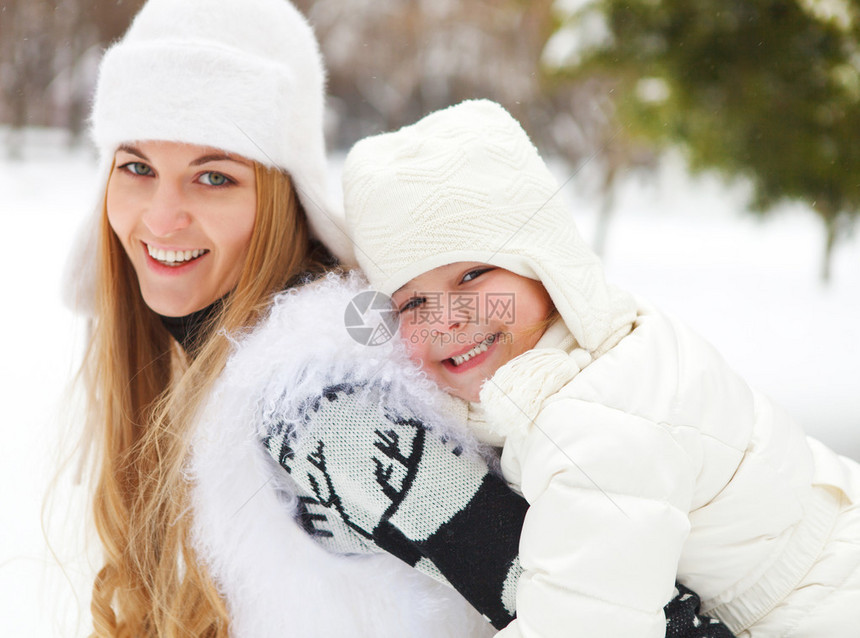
[143,393]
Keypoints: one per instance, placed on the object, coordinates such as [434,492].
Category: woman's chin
[171,307]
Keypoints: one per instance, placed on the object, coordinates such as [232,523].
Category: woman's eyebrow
[128,148]
[218,157]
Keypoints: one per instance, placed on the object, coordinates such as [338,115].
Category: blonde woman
[208,118]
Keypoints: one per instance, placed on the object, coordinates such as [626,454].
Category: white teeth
[174,256]
[460,359]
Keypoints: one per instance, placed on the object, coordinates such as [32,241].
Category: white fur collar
[275,579]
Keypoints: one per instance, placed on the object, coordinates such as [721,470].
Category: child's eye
[412,304]
[212,178]
[474,274]
[137,168]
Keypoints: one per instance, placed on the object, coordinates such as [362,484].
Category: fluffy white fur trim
[276,580]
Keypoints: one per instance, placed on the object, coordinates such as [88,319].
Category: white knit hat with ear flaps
[467,184]
[243,76]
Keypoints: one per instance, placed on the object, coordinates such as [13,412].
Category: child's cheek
[416,345]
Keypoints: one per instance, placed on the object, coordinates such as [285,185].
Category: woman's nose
[167,212]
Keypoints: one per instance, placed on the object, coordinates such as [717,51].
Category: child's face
[463,321]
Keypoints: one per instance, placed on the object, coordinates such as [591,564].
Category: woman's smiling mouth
[174,257]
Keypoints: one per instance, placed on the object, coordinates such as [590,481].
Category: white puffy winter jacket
[656,459]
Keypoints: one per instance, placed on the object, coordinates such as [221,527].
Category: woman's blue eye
[214,179]
[137,168]
[474,274]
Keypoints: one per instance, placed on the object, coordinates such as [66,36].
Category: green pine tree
[764,89]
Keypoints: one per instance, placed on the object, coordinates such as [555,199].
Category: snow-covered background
[686,243]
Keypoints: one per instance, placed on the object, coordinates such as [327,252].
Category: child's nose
[443,325]
[460,318]
[449,324]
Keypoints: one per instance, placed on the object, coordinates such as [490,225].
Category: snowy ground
[751,287]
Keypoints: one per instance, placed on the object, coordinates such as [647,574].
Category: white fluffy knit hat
[244,76]
[466,184]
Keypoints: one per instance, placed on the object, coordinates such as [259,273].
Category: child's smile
[463,321]
[474,354]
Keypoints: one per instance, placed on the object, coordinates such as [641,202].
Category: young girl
[642,455]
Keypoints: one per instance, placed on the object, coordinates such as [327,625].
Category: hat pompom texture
[467,184]
[243,76]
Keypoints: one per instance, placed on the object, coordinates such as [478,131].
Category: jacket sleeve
[608,494]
